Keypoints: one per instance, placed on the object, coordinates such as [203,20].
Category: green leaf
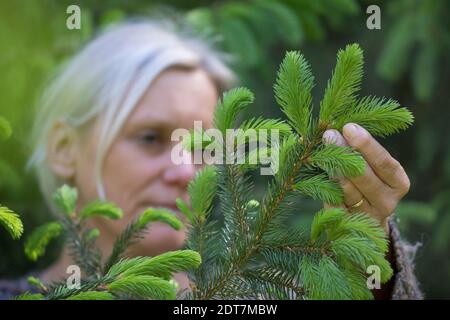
[323,218]
[164,264]
[330,283]
[227,110]
[337,224]
[146,287]
[357,282]
[161,215]
[293,91]
[344,84]
[362,252]
[289,151]
[35,282]
[320,187]
[259,123]
[37,242]
[93,234]
[202,190]
[363,225]
[343,278]
[11,221]
[353,238]
[66,198]
[184,208]
[29,296]
[339,161]
[101,208]
[379,116]
[92,295]
[124,264]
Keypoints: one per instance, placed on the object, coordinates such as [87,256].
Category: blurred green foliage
[407,60]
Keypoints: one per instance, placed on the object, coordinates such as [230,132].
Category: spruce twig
[256,260]
[252,255]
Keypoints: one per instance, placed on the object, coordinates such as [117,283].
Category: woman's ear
[62,149]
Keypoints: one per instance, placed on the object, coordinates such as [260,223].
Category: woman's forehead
[177,94]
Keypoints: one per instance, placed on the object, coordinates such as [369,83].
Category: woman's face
[137,171]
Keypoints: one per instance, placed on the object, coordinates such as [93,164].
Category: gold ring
[358,204]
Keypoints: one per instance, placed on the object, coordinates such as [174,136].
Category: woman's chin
[160,238]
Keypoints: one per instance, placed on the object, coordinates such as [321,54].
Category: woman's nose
[180,173]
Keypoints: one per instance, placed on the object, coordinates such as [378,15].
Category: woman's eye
[149,138]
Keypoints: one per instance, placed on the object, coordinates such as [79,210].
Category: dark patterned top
[11,288]
[405,284]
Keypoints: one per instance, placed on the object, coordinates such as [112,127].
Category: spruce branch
[260,123]
[252,254]
[344,84]
[202,190]
[229,107]
[126,278]
[81,246]
[92,295]
[320,187]
[37,242]
[8,218]
[102,209]
[331,263]
[136,229]
[142,286]
[162,265]
[380,116]
[29,296]
[293,91]
[11,222]
[66,198]
[338,161]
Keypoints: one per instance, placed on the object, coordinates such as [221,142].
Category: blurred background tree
[407,59]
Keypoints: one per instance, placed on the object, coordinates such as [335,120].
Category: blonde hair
[108,77]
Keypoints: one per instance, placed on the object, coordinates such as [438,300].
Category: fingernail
[351,130]
[329,137]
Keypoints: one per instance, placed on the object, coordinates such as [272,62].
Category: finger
[352,195]
[375,190]
[369,185]
[332,136]
[382,163]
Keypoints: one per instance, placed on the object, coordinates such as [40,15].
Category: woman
[104,126]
